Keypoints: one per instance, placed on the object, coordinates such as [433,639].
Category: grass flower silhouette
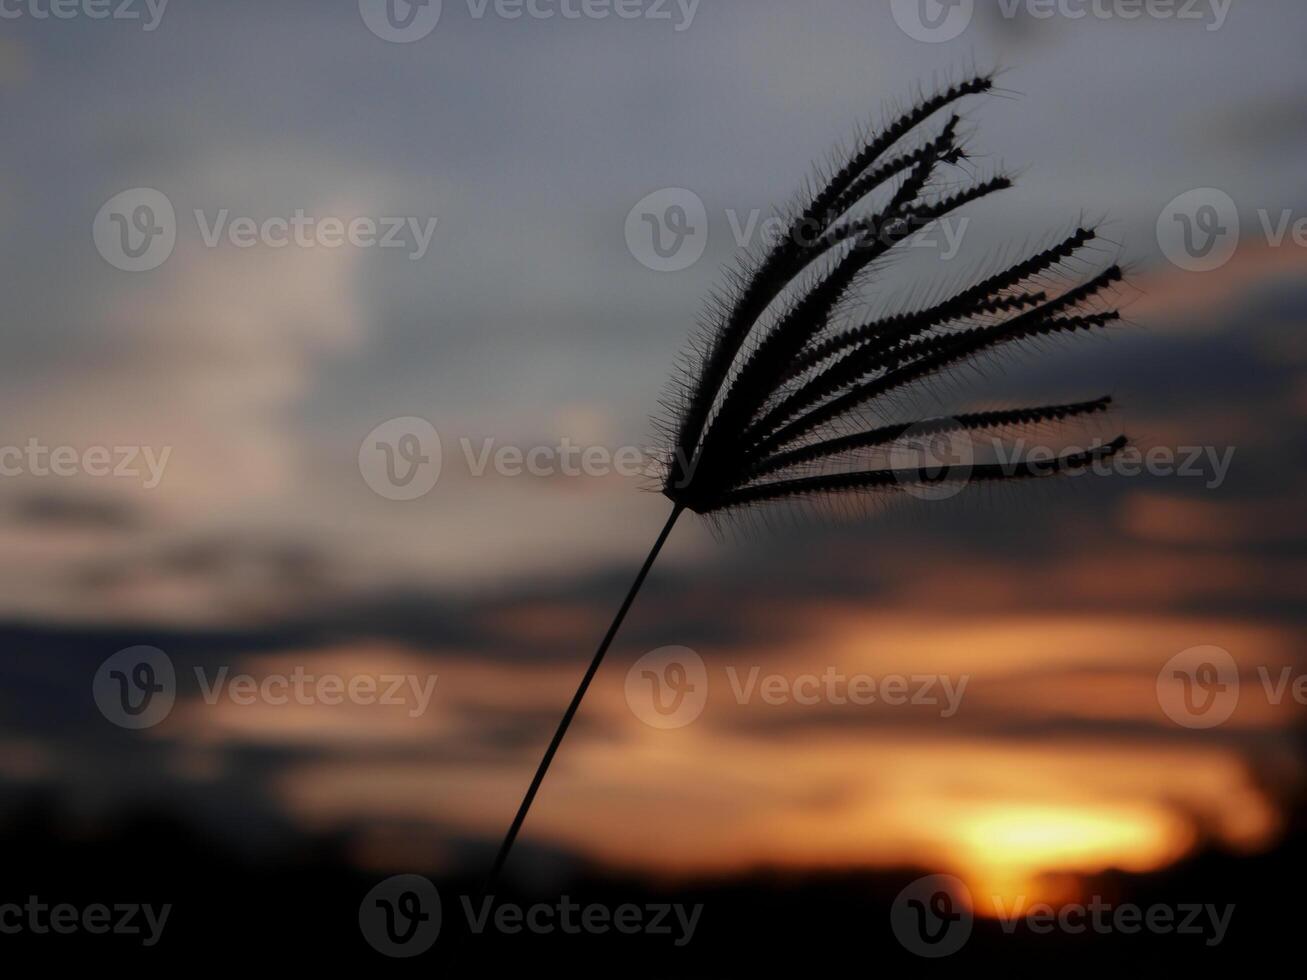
[783,396]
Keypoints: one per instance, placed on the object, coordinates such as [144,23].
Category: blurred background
[194,400]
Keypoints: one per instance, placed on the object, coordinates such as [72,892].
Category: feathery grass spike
[774,395]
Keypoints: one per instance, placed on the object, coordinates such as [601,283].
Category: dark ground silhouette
[300,908]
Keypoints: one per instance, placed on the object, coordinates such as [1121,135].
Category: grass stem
[572,708]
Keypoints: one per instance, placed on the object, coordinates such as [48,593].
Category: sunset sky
[528,322]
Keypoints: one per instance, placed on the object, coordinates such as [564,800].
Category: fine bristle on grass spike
[967,302]
[895,479]
[766,367]
[878,336]
[893,133]
[920,359]
[759,287]
[972,422]
[942,146]
[887,347]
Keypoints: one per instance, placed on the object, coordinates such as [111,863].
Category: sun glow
[1006,849]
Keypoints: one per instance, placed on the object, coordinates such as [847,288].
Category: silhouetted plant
[778,395]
